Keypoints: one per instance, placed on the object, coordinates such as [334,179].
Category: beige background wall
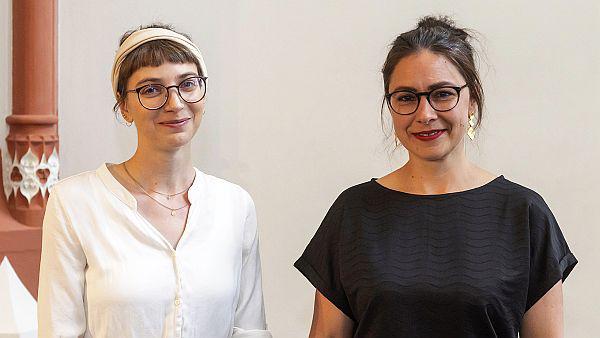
[293,112]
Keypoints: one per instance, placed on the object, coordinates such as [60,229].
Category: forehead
[165,73]
[422,69]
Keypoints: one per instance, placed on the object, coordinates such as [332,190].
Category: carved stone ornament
[29,166]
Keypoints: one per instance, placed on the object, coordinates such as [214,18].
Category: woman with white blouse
[152,247]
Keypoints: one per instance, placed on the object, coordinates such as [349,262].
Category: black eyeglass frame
[388,98]
[139,89]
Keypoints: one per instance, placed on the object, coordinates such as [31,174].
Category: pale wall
[293,112]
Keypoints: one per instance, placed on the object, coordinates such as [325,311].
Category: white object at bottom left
[18,314]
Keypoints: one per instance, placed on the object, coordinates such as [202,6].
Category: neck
[450,174]
[163,171]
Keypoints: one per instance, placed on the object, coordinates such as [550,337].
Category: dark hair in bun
[439,35]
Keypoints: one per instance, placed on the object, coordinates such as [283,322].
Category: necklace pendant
[168,197]
[172,212]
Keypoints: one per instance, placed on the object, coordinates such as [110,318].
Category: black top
[464,264]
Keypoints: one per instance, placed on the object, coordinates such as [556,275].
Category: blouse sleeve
[320,262]
[61,310]
[250,321]
[551,259]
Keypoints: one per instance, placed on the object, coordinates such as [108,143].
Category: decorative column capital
[29,175]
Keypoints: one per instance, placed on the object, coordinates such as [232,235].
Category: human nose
[425,112]
[174,101]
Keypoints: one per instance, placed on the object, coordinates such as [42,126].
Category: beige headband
[142,36]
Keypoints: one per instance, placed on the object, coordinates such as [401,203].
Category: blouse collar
[126,197]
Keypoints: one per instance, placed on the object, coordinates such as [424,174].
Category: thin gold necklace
[173,210]
[171,195]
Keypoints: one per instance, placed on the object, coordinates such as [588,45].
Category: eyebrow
[157,80]
[430,87]
[188,74]
[148,79]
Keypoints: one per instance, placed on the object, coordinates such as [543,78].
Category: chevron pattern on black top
[464,264]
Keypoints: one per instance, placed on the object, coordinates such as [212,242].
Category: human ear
[123,110]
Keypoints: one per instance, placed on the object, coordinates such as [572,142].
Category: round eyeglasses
[406,102]
[154,96]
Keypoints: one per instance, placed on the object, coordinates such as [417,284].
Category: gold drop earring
[471,129]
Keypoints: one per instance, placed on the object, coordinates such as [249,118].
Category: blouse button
[177,301]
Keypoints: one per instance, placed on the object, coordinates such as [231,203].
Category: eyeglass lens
[441,99]
[154,96]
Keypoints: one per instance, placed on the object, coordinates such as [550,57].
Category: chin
[431,154]
[438,153]
[432,157]
[176,141]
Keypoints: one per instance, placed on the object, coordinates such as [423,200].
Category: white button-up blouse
[107,272]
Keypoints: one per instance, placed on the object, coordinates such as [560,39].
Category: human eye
[151,90]
[404,97]
[189,84]
[443,94]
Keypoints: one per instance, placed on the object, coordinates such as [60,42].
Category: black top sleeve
[551,259]
[320,262]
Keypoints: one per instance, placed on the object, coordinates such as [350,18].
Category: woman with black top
[439,247]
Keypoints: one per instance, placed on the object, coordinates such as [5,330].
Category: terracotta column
[31,165]
[33,140]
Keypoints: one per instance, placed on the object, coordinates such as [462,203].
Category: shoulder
[77,184]
[519,193]
[359,193]
[352,200]
[225,188]
[72,195]
[527,204]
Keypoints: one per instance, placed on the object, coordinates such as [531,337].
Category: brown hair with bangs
[151,54]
